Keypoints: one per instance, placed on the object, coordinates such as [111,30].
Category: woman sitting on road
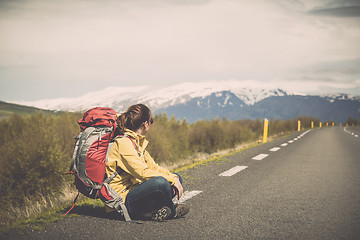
[147,188]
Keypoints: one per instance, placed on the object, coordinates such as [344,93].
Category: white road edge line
[187,195]
[232,171]
[260,156]
[284,144]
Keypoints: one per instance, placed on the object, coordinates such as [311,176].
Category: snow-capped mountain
[208,100]
[120,98]
[111,97]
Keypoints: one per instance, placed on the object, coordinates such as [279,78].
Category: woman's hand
[178,188]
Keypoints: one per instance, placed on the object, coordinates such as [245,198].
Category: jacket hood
[140,140]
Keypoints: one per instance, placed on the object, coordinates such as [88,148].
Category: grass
[38,215]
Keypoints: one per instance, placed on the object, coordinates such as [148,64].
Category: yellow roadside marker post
[299,125]
[266,126]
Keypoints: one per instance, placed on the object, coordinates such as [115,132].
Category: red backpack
[98,126]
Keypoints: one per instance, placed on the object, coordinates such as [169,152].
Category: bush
[36,149]
[35,154]
[173,140]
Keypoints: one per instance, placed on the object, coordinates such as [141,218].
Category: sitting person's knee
[161,182]
[180,179]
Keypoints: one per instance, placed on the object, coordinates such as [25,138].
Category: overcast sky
[64,48]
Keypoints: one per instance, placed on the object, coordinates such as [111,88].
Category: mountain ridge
[8,109]
[205,101]
[119,97]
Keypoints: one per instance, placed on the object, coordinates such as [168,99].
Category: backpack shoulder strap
[127,136]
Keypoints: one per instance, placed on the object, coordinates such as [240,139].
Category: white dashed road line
[274,149]
[260,156]
[187,195]
[232,171]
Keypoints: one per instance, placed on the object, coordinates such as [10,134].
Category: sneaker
[162,214]
[181,210]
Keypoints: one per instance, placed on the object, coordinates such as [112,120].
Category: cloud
[79,43]
[334,8]
[351,11]
[329,77]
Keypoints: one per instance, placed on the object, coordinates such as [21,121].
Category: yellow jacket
[134,164]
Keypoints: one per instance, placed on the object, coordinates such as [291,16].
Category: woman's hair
[135,117]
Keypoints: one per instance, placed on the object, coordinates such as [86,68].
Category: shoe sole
[162,214]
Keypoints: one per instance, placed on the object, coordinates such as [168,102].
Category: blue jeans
[150,195]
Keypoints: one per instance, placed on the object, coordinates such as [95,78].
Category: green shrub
[36,149]
[35,152]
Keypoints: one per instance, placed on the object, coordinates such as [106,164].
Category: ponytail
[134,117]
[121,120]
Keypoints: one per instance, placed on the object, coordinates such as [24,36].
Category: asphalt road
[307,186]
